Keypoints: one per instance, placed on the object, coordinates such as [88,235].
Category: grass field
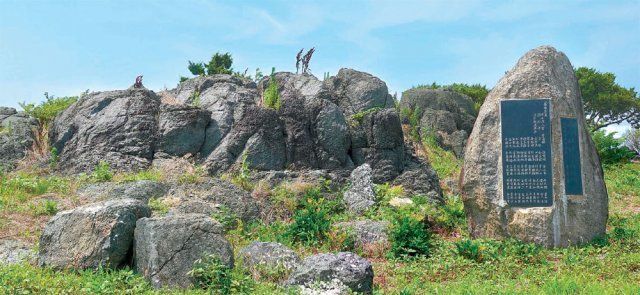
[455,264]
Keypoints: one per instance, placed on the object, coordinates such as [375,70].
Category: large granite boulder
[119,127]
[348,268]
[258,135]
[225,96]
[92,236]
[16,136]
[181,130]
[571,219]
[360,195]
[316,131]
[354,92]
[442,113]
[167,247]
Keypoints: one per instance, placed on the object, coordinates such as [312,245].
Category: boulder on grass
[167,247]
[350,269]
[360,196]
[270,256]
[92,236]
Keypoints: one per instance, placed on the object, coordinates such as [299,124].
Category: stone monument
[531,171]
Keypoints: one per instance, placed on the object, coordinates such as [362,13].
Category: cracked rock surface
[166,247]
[92,236]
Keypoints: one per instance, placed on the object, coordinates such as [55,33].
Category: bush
[47,110]
[470,249]
[157,205]
[311,221]
[271,97]
[610,149]
[211,274]
[410,237]
[102,172]
[226,217]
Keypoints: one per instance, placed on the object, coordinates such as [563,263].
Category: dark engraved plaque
[571,156]
[526,152]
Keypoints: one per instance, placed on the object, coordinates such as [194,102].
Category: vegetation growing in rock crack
[271,95]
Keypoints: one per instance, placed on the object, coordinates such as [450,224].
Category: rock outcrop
[16,136]
[348,268]
[571,219]
[446,115]
[92,236]
[167,247]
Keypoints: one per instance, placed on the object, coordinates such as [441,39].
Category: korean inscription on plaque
[526,152]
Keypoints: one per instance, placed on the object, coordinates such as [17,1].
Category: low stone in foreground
[92,236]
[167,247]
[271,256]
[348,268]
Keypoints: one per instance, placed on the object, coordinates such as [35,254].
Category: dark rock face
[542,72]
[270,256]
[16,136]
[260,135]
[350,269]
[181,129]
[316,130]
[445,114]
[419,178]
[378,141]
[167,247]
[92,236]
[354,91]
[116,126]
[225,96]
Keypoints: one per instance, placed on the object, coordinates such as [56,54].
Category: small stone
[400,202]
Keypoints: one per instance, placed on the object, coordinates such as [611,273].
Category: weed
[150,174]
[311,221]
[471,249]
[157,205]
[242,178]
[226,217]
[357,118]
[410,237]
[194,100]
[49,207]
[271,95]
[53,158]
[211,274]
[102,172]
[192,176]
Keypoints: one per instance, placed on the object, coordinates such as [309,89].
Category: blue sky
[65,47]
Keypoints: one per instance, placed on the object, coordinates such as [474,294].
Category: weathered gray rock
[354,91]
[13,252]
[367,232]
[269,256]
[92,236]
[419,178]
[214,193]
[119,127]
[225,96]
[350,269]
[316,131]
[377,140]
[141,190]
[16,136]
[260,135]
[541,73]
[167,247]
[181,129]
[360,195]
[444,114]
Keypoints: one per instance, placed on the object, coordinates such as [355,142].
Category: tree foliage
[220,63]
[611,149]
[196,68]
[606,102]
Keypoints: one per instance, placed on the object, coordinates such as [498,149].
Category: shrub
[410,237]
[49,207]
[220,63]
[53,158]
[242,177]
[158,205]
[471,249]
[357,118]
[47,110]
[271,97]
[211,274]
[610,149]
[451,216]
[311,221]
[102,172]
[197,69]
[226,217]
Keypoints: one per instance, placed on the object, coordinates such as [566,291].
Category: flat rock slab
[348,268]
[542,73]
[166,247]
[92,236]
